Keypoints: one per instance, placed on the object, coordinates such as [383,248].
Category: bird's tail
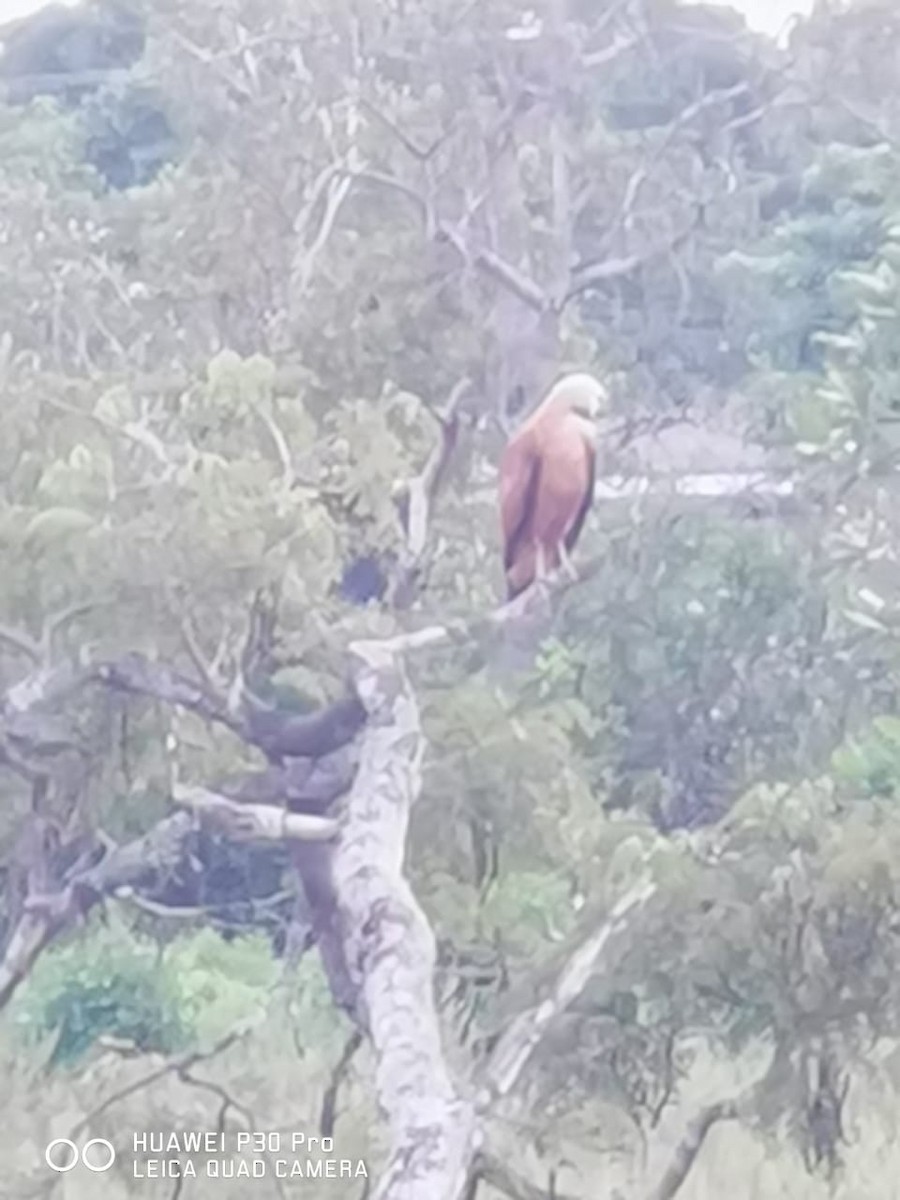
[521,572]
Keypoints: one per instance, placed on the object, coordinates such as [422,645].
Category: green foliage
[111,981]
[870,763]
[104,982]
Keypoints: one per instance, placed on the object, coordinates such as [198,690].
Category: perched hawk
[547,481]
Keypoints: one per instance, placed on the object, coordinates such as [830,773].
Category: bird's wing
[589,467]
[520,476]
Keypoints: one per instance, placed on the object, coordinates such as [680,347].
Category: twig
[338,1075]
[687,114]
[182,1063]
[131,431]
[490,263]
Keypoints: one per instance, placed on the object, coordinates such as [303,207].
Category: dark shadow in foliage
[363,580]
[80,57]
[129,139]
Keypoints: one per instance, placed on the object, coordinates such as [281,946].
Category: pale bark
[252,822]
[389,947]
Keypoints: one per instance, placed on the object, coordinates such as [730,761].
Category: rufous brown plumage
[547,481]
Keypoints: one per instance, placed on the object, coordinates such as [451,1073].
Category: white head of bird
[580,393]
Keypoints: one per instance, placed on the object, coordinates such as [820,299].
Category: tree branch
[689,1147]
[491,264]
[252,822]
[523,1035]
[588,275]
[156,853]
[417,496]
[389,948]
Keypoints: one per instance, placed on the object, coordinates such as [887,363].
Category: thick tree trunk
[389,947]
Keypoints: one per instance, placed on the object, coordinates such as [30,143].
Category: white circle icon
[58,1162]
[98,1142]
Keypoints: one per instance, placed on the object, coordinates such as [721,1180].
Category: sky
[767,16]
[11,9]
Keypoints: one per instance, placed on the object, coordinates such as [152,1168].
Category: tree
[288,361]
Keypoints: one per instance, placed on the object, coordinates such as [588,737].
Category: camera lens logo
[62,1155]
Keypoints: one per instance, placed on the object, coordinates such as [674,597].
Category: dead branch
[194,912]
[277,734]
[688,1149]
[589,274]
[174,1067]
[388,945]
[417,495]
[331,196]
[640,176]
[21,642]
[28,729]
[620,45]
[485,259]
[522,1036]
[45,916]
[252,822]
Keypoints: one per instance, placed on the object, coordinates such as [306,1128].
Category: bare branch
[496,268]
[288,475]
[138,675]
[45,916]
[420,153]
[252,822]
[521,1038]
[202,667]
[689,1147]
[687,114]
[620,45]
[389,947]
[590,274]
[175,1067]
[491,264]
[278,734]
[418,495]
[305,259]
[131,431]
[57,621]
[21,642]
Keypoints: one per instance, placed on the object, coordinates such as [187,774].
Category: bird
[547,481]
